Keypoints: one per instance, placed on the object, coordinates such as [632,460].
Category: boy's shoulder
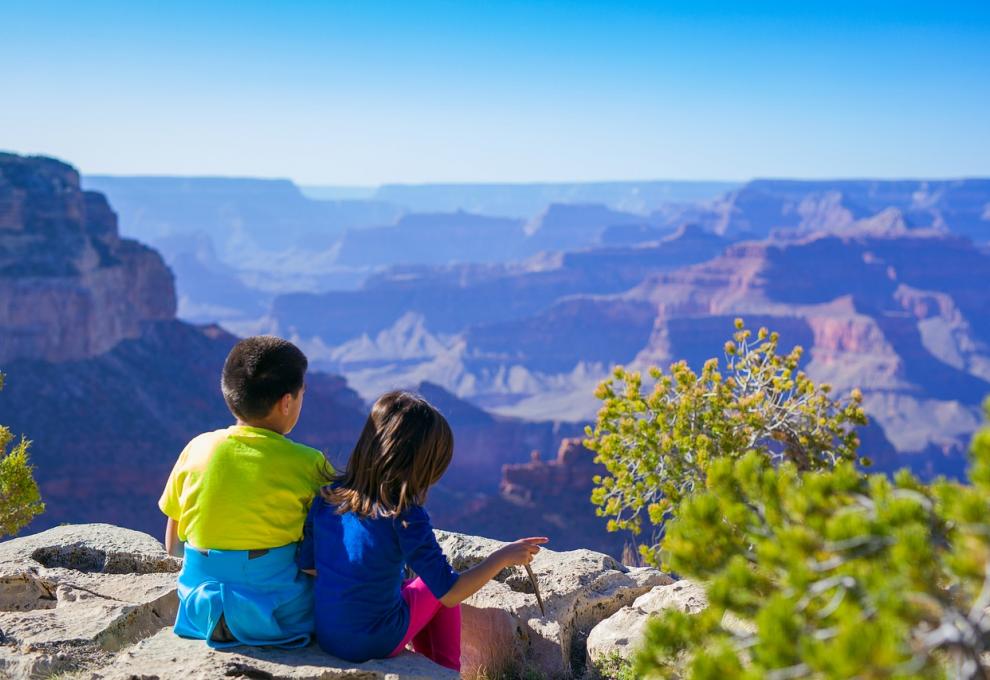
[307,451]
[210,437]
[206,441]
[314,460]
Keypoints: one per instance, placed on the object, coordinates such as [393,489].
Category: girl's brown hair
[404,449]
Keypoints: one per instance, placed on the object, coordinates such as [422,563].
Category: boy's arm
[306,553]
[170,504]
[173,545]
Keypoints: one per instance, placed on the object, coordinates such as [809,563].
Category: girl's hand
[471,581]
[520,552]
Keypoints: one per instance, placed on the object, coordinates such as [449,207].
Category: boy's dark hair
[404,449]
[258,372]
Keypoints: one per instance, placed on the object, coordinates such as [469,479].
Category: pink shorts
[434,630]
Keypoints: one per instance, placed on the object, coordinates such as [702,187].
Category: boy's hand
[522,551]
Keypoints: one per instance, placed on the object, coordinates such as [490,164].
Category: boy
[238,497]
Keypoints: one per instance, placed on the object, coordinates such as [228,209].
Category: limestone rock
[504,631]
[622,632]
[73,596]
[166,657]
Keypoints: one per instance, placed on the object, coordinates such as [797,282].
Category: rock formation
[76,595]
[96,601]
[484,443]
[70,287]
[540,497]
[622,633]
[904,317]
[620,636]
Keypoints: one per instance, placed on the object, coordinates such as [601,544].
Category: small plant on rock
[614,667]
[20,500]
[658,445]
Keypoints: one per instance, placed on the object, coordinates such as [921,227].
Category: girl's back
[360,565]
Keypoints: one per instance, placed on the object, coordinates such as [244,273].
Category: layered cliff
[70,287]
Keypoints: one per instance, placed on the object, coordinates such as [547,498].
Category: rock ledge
[97,601]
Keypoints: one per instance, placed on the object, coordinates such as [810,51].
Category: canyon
[901,314]
[504,305]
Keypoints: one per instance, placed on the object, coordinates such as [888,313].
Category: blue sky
[368,92]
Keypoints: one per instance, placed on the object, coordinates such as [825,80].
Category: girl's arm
[472,580]
[173,545]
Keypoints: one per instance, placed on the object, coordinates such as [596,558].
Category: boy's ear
[285,404]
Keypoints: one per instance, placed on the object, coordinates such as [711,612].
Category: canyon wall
[70,287]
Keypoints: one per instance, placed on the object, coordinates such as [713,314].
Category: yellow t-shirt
[243,488]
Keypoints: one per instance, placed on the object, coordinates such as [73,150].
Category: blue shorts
[264,599]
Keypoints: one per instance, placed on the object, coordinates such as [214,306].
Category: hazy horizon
[523,182]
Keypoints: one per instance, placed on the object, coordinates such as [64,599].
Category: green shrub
[614,667]
[20,500]
[657,446]
[840,574]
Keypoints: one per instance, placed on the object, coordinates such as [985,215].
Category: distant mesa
[524,200]
[762,206]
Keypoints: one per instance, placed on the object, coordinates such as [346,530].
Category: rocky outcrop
[622,633]
[74,596]
[504,631]
[570,472]
[70,287]
[98,600]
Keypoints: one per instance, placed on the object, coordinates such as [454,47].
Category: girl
[369,523]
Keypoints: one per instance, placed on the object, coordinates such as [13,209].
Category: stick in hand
[536,589]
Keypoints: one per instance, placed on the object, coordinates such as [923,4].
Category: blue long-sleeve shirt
[359,561]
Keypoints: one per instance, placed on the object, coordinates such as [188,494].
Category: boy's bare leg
[221,633]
